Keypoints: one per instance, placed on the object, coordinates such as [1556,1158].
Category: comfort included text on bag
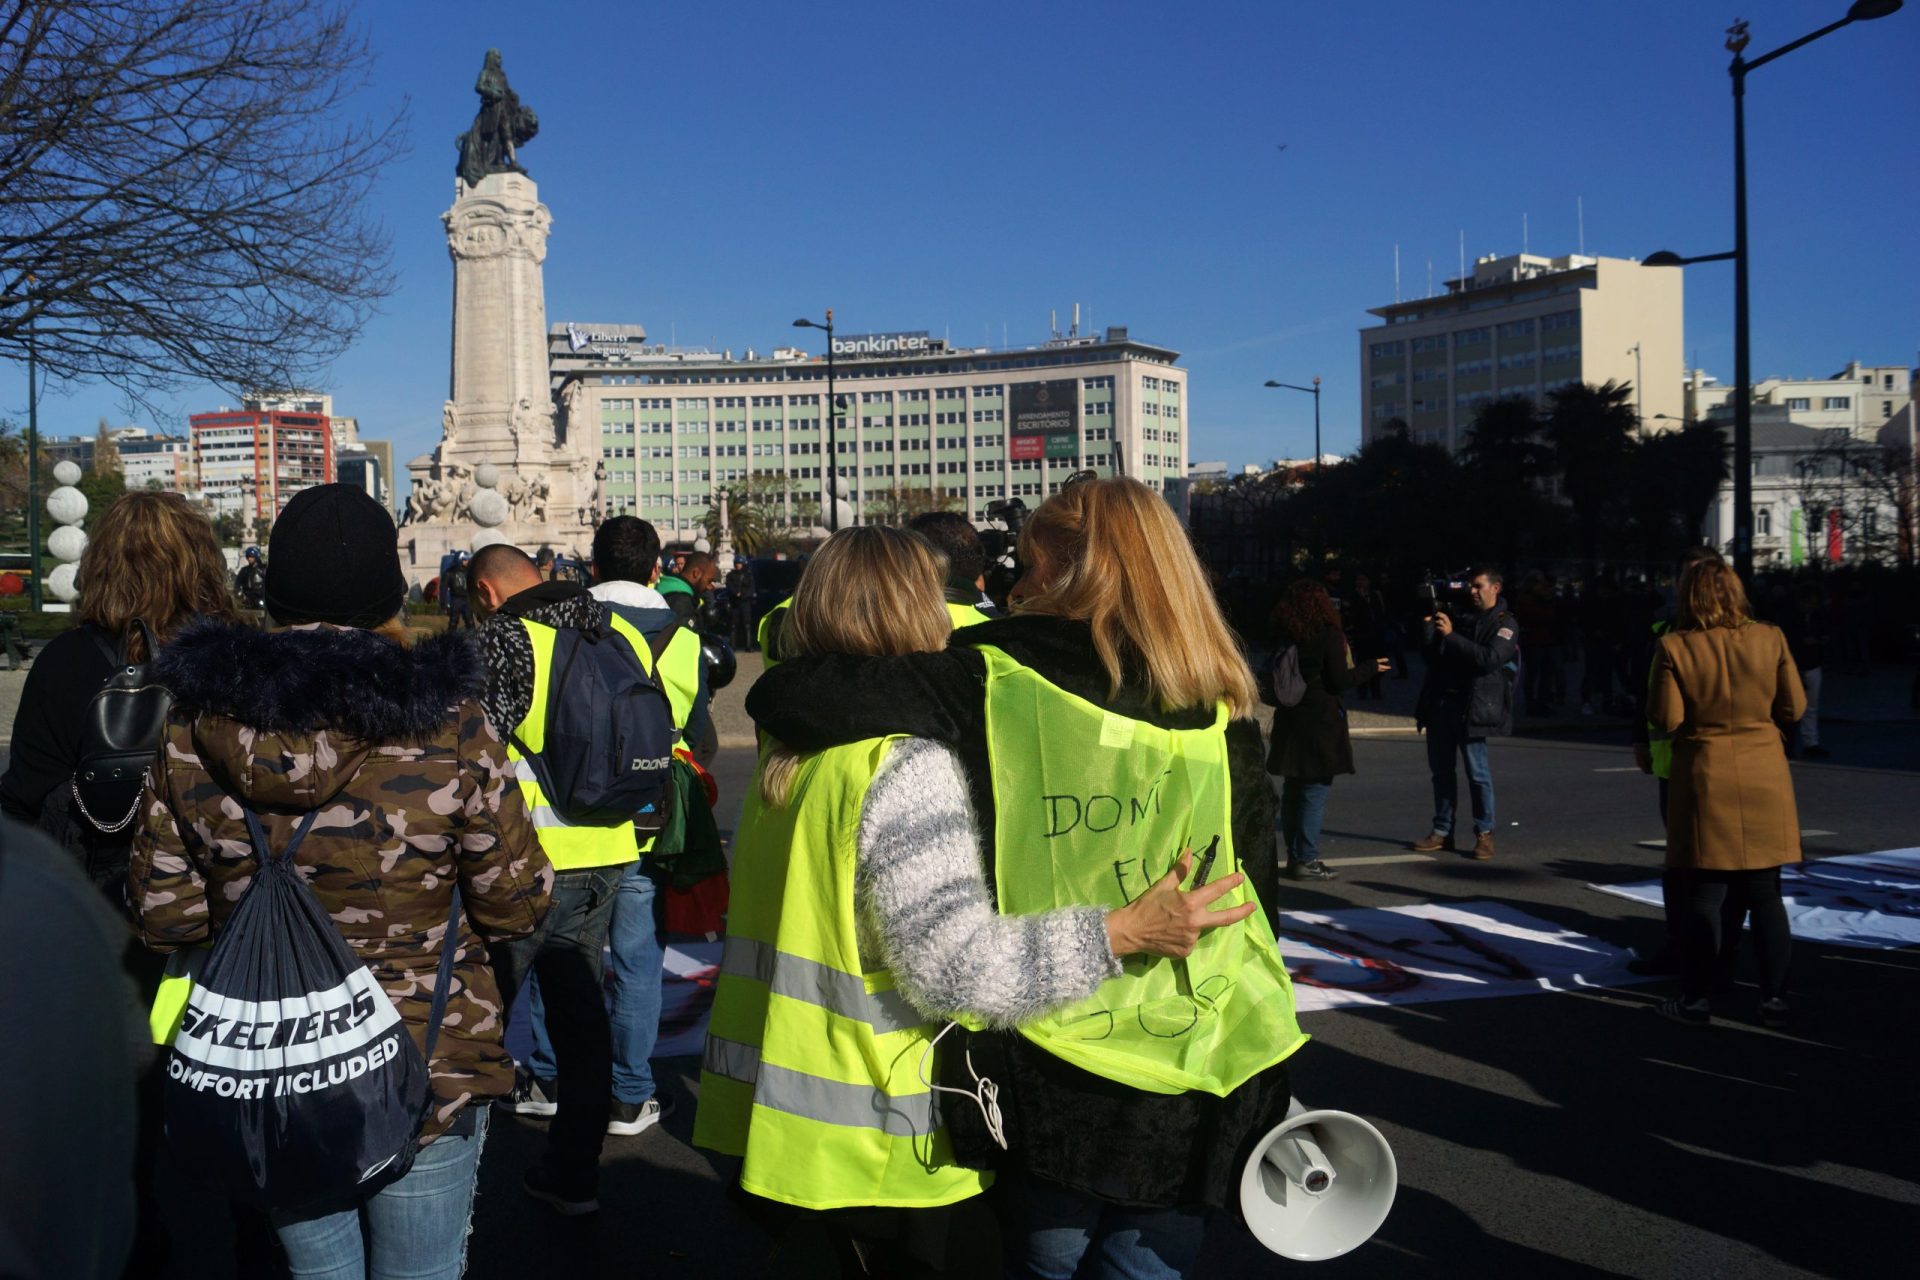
[256,1049]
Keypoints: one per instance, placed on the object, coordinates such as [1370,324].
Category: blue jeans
[1444,742]
[1063,1227]
[415,1228]
[635,1014]
[1303,804]
[565,951]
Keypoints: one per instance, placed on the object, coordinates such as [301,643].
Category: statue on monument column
[598,511]
[491,144]
[449,422]
[574,401]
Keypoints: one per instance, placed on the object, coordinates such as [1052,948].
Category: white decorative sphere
[66,543]
[486,475]
[67,505]
[60,583]
[701,544]
[66,471]
[490,508]
[488,538]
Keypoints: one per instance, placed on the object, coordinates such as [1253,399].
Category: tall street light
[1313,391]
[833,422]
[1860,11]
[34,596]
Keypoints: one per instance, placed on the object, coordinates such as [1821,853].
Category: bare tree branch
[180,197]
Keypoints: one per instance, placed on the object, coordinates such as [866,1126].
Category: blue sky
[716,170]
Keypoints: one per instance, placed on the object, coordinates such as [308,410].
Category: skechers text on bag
[292,1079]
[119,732]
[606,756]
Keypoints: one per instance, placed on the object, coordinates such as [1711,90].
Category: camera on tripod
[1448,593]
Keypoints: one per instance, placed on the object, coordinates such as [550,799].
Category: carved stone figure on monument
[574,401]
[598,511]
[449,422]
[538,500]
[491,144]
[517,492]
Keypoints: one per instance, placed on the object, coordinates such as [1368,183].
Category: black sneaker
[1315,870]
[1773,1013]
[532,1095]
[1695,1013]
[567,1201]
[629,1118]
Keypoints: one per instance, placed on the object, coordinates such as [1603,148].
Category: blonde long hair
[1711,596]
[873,591]
[151,556]
[1109,553]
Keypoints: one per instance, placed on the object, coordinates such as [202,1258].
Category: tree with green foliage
[1590,431]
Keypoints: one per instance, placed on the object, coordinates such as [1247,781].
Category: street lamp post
[1859,11]
[34,596]
[833,422]
[1313,391]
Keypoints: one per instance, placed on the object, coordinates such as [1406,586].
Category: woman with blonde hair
[1104,736]
[1725,689]
[860,905]
[152,564]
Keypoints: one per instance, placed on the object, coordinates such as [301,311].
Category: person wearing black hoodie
[1098,1167]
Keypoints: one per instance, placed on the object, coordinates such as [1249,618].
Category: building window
[1836,402]
[1886,408]
[1517,329]
[1799,404]
[1468,337]
[1382,350]
[1763,522]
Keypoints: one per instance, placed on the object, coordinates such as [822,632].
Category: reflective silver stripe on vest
[728,1058]
[543,816]
[810,982]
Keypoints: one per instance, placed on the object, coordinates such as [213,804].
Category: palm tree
[1590,432]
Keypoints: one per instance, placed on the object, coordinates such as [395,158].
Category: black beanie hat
[334,557]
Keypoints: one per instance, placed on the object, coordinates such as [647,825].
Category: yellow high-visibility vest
[575,848]
[1091,808]
[965,615]
[1659,741]
[812,1064]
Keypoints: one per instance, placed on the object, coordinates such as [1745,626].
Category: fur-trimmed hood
[286,718]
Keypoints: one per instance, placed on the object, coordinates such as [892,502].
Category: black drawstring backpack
[292,1079]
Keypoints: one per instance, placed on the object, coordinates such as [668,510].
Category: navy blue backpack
[292,1079]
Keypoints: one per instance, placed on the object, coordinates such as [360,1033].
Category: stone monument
[503,471]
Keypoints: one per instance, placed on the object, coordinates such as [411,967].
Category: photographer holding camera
[1467,697]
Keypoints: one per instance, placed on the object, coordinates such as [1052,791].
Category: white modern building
[1860,399]
[1523,325]
[920,422]
[152,461]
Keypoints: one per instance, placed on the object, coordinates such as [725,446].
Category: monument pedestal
[499,408]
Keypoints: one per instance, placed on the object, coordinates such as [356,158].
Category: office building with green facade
[921,425]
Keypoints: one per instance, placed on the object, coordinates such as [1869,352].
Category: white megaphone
[1318,1185]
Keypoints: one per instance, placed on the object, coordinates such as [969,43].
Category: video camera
[1446,594]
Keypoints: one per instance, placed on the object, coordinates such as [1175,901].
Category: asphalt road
[1544,1135]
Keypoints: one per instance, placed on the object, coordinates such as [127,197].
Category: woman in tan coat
[1724,687]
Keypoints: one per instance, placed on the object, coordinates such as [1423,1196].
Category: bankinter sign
[886,344]
[1043,420]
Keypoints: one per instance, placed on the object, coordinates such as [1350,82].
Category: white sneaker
[629,1118]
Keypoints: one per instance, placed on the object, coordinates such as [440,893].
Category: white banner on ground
[1427,951]
[1867,900]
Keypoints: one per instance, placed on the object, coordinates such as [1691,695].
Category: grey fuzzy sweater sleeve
[920,890]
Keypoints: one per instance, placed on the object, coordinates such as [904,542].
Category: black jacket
[1065,1125]
[1310,740]
[48,729]
[1469,685]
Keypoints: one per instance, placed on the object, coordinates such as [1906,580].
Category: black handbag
[121,731]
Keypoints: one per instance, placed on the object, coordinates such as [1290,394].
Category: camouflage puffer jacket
[412,786]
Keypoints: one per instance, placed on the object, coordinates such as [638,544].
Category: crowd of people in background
[925,900]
